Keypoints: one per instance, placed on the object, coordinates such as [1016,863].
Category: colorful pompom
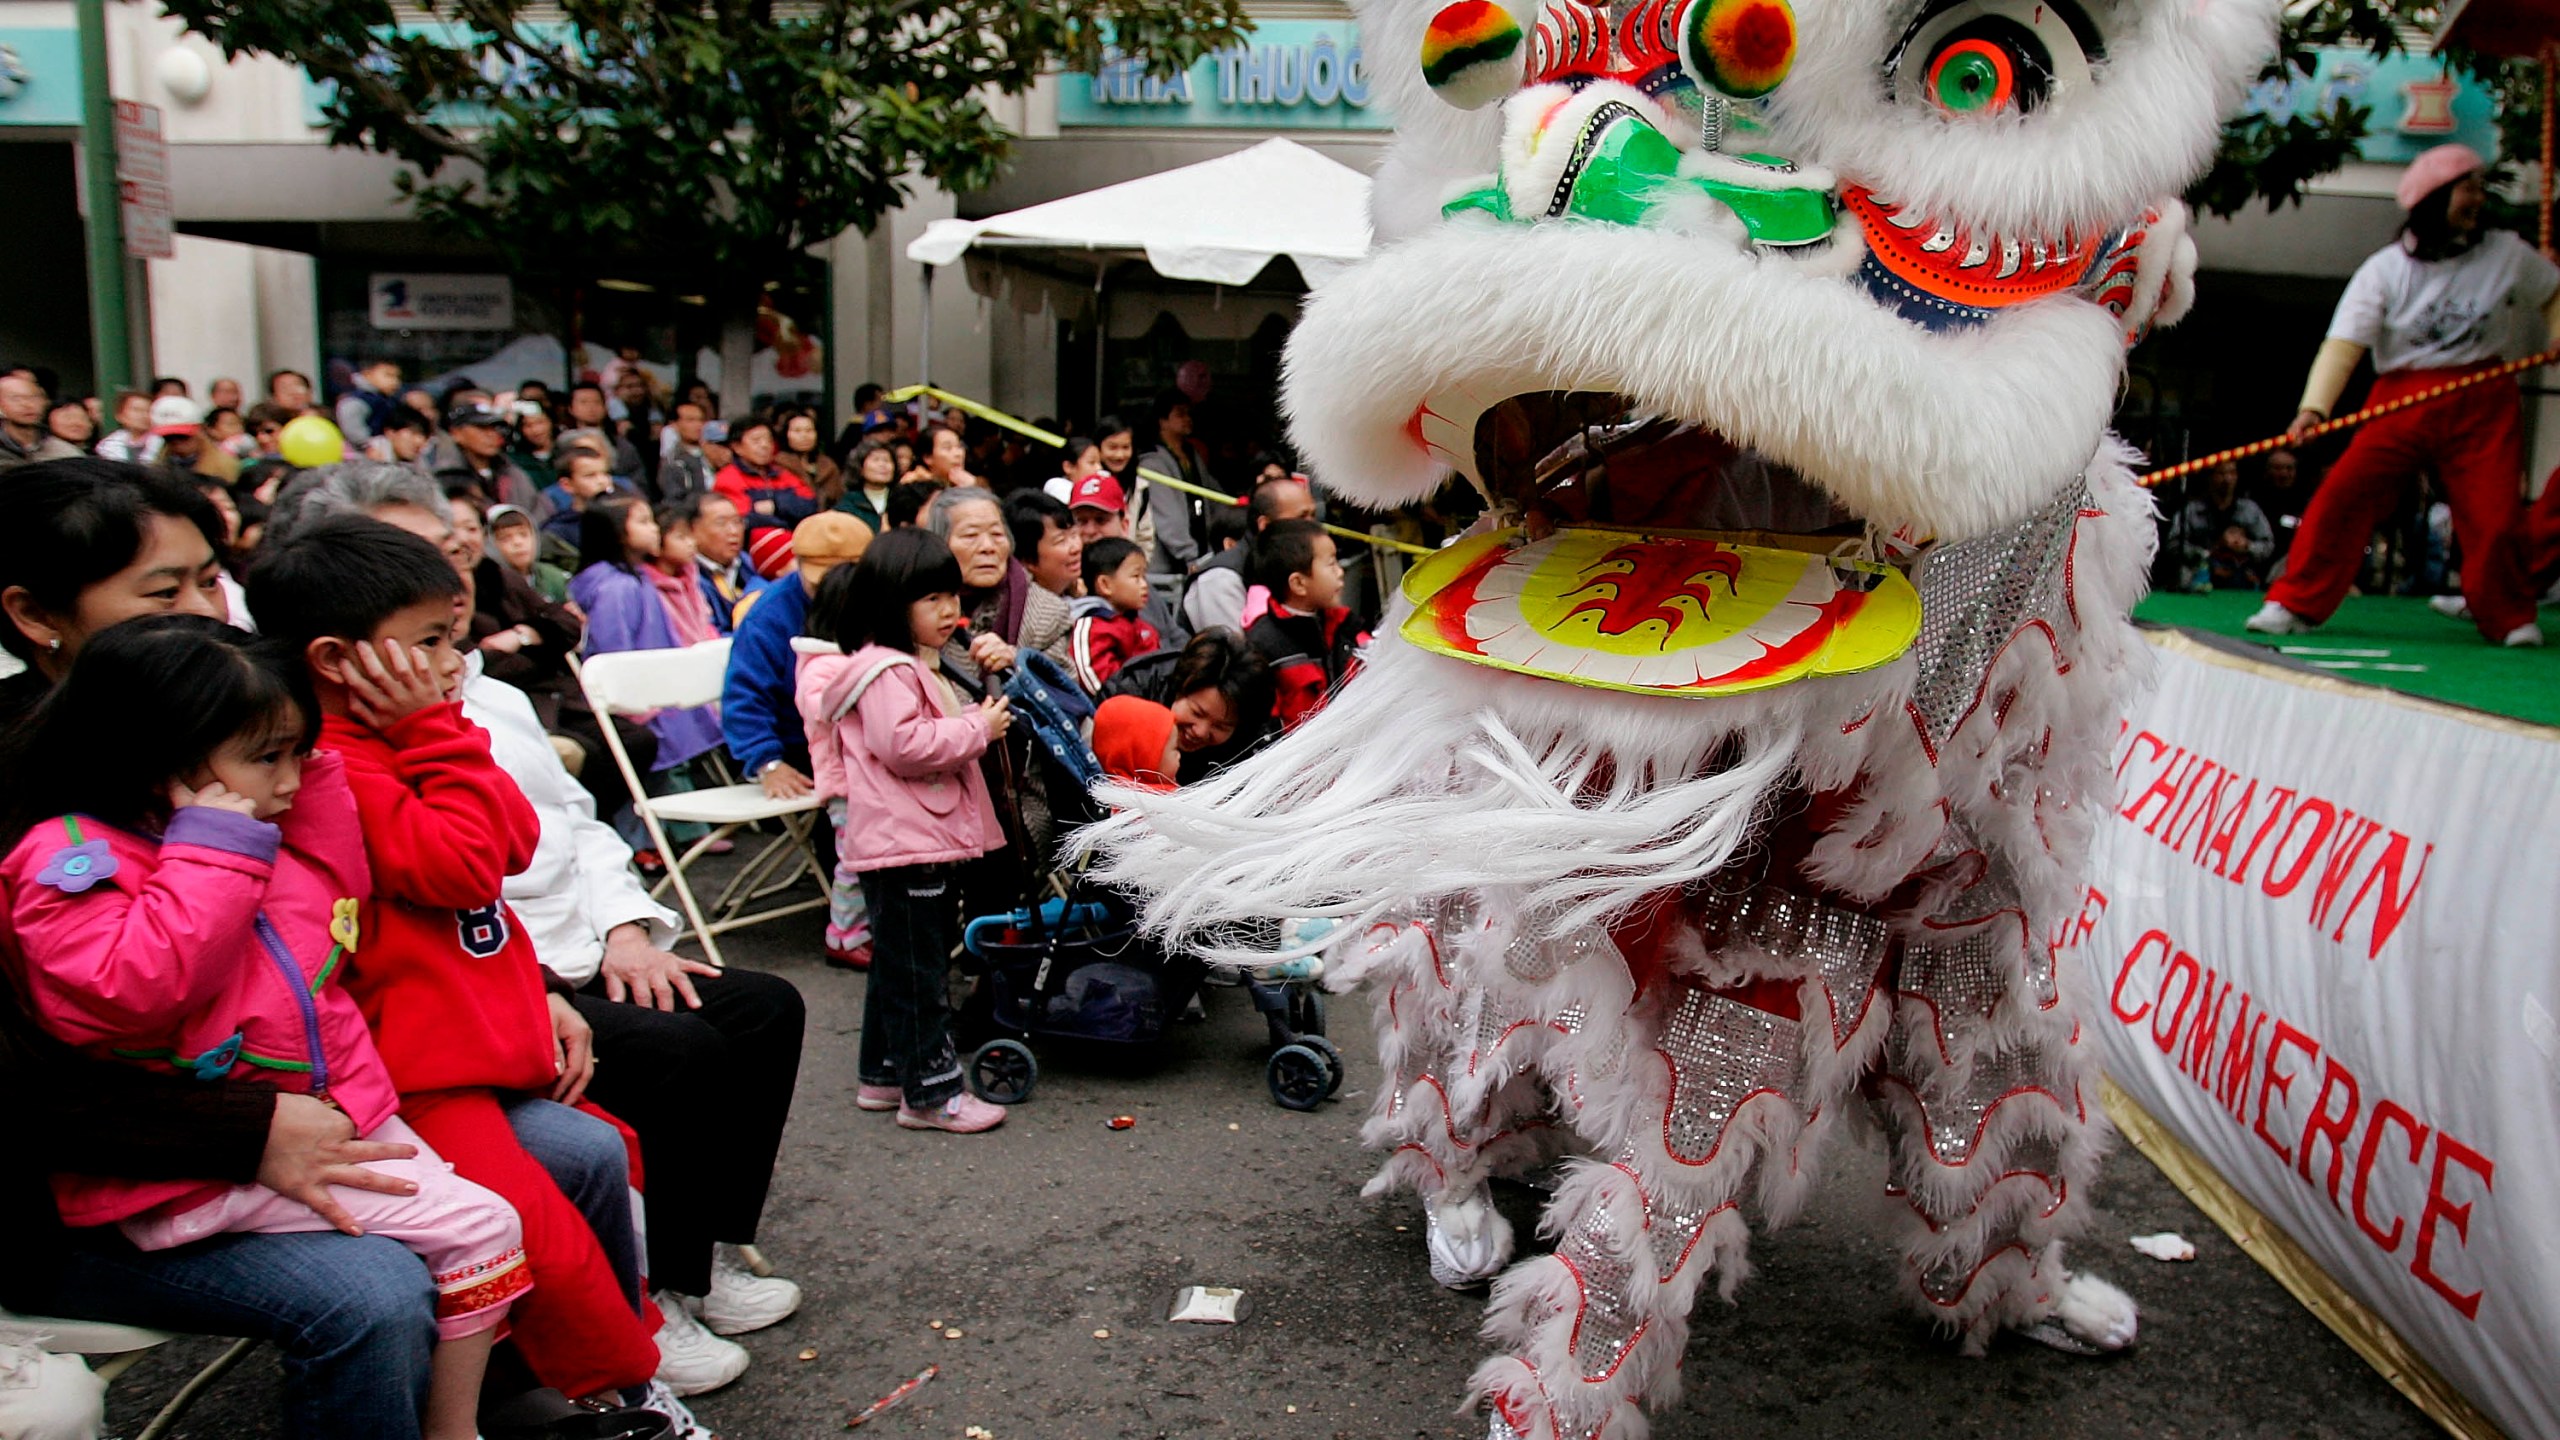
[1739,48]
[1471,54]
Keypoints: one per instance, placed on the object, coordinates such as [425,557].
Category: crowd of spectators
[403,625]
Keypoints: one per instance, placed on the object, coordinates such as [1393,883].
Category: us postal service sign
[2323,946]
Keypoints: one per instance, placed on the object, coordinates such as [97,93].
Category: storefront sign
[39,76]
[142,177]
[442,302]
[2319,947]
[1288,75]
[2416,102]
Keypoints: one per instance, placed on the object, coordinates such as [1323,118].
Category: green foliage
[2273,160]
[722,137]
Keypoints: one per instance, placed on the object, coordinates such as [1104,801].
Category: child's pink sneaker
[876,1097]
[962,1114]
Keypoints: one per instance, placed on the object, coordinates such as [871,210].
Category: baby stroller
[1074,966]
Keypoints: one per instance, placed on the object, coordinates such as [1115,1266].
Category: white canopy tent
[1219,222]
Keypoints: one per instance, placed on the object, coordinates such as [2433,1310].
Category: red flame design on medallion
[1657,574]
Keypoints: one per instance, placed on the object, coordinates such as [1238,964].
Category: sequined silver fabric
[1956,1121]
[1607,1324]
[1535,961]
[1722,1052]
[1845,947]
[1973,597]
[1946,1281]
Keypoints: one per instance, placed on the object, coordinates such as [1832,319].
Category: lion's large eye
[1980,57]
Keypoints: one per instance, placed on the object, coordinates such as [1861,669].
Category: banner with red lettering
[2323,937]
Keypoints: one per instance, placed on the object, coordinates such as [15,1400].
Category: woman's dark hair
[1110,425]
[2431,236]
[600,532]
[1219,659]
[67,524]
[782,419]
[907,500]
[853,460]
[1031,515]
[1076,445]
[148,702]
[865,603]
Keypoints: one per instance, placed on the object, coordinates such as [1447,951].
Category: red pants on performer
[2537,537]
[2474,439]
[576,1328]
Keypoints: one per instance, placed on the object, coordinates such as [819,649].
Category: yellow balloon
[312,440]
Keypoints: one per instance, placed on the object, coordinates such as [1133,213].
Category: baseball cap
[716,431]
[175,415]
[1098,491]
[475,415]
[828,539]
[769,551]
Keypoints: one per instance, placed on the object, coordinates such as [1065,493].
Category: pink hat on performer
[2438,167]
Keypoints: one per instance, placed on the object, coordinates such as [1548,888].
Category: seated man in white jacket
[701,1062]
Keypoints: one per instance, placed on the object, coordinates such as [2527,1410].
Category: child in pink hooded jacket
[889,733]
[184,897]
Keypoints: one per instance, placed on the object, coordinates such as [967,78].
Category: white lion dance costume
[1728,779]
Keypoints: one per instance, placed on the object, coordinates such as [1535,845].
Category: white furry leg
[1468,1240]
[1985,1099]
[1462,1102]
[2091,1317]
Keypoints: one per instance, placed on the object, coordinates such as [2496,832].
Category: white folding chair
[634,682]
[113,1349]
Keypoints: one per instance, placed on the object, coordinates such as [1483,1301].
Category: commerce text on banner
[2323,945]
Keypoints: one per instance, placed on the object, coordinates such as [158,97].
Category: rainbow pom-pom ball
[1471,54]
[1739,48]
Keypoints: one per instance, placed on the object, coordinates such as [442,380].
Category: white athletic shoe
[2451,607]
[692,1360]
[1468,1240]
[740,1299]
[2274,619]
[2527,636]
[2092,1318]
[662,1398]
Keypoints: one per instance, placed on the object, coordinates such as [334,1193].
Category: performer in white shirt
[2445,299]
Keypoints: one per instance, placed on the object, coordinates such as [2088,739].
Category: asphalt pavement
[1034,1266]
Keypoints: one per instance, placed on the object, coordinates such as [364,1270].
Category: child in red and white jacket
[188,898]
[881,716]
[1108,631]
[465,1016]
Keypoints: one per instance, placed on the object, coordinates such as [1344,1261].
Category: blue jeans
[354,1317]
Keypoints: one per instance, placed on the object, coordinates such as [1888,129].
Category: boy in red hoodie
[1311,643]
[444,976]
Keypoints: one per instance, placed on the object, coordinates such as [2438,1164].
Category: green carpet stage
[2390,641]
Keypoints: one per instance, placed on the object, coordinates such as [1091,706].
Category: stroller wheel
[1299,1076]
[1306,1010]
[1332,1061]
[1002,1072]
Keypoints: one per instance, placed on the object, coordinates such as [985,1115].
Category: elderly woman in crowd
[85,545]
[1007,613]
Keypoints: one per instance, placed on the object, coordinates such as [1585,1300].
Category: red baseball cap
[1097,491]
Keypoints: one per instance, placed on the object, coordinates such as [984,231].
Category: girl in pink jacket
[183,891]
[889,733]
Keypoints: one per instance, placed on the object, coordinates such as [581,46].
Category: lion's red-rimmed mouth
[1586,457]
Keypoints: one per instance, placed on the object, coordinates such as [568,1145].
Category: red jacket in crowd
[446,977]
[1104,639]
[1309,655]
